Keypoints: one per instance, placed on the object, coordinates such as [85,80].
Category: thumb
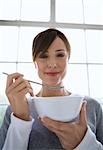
[83,116]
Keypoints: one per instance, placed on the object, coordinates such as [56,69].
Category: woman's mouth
[52,73]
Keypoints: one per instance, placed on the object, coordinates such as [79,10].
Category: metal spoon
[49,87]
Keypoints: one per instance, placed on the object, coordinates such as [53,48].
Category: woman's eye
[43,56]
[60,55]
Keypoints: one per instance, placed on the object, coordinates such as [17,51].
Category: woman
[22,129]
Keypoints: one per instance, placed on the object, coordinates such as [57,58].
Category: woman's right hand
[16,89]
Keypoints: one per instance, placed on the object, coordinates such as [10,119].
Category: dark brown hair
[44,39]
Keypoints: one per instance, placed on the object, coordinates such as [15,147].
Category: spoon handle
[49,87]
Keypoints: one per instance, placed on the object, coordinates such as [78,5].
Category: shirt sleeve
[89,142]
[18,134]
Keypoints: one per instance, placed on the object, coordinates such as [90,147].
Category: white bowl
[61,108]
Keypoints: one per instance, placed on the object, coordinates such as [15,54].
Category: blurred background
[80,20]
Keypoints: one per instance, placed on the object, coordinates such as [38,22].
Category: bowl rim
[57,98]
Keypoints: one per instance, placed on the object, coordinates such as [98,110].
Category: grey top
[41,138]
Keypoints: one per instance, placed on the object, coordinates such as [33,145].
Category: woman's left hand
[69,134]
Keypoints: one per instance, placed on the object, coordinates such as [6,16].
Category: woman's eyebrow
[58,50]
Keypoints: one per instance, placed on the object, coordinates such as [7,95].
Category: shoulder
[94,109]
[92,102]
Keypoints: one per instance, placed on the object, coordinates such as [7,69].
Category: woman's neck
[44,92]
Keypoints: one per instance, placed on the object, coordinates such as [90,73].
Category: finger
[11,77]
[83,116]
[27,85]
[26,90]
[55,125]
[32,94]
[20,84]
[16,84]
[59,128]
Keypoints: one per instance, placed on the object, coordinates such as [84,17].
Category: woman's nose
[52,66]
[52,63]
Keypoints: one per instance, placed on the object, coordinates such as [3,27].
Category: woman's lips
[52,73]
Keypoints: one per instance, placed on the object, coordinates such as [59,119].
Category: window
[69,11]
[82,23]
[25,10]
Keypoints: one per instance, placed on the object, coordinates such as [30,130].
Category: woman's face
[52,65]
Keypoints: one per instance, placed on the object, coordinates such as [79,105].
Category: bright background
[82,23]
